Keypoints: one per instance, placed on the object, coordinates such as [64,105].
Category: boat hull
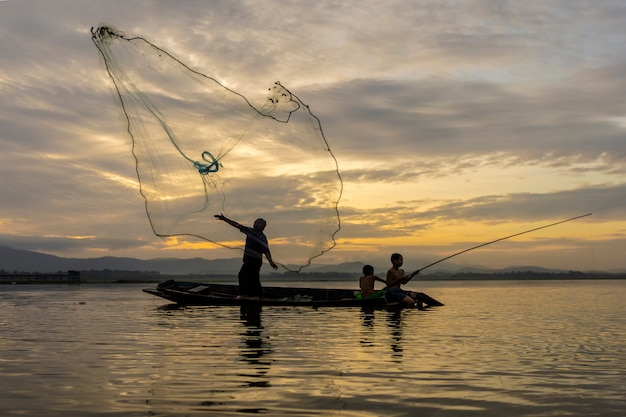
[191,293]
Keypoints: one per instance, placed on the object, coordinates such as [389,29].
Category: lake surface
[503,348]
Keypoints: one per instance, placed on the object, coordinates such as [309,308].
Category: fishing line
[504,238]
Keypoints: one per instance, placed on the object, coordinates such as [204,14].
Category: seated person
[366,282]
[395,278]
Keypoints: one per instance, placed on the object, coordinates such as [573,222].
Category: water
[534,348]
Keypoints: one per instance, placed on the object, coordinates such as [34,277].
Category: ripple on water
[495,349]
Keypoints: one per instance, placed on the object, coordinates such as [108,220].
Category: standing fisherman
[256,246]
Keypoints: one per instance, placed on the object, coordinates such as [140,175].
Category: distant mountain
[346,267]
[16,260]
[26,261]
[483,270]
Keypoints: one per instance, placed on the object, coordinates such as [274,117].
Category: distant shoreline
[136,277]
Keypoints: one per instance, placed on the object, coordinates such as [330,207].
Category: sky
[454,123]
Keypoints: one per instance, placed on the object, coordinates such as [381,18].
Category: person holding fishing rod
[395,278]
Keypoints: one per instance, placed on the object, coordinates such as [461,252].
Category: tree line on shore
[121,276]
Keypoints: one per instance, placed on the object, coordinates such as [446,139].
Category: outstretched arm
[227,220]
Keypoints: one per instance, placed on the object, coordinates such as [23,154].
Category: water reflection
[395,324]
[256,346]
[368,333]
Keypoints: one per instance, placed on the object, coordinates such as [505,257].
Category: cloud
[489,113]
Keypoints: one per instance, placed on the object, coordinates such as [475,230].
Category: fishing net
[202,148]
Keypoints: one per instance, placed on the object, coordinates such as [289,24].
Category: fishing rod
[504,238]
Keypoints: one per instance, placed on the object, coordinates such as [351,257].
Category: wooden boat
[193,293]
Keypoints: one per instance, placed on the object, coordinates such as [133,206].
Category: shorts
[250,279]
[395,295]
[375,294]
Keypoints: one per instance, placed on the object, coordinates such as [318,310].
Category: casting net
[202,149]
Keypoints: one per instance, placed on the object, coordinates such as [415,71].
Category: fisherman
[395,278]
[256,246]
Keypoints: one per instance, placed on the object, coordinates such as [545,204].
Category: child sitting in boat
[366,282]
[396,277]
